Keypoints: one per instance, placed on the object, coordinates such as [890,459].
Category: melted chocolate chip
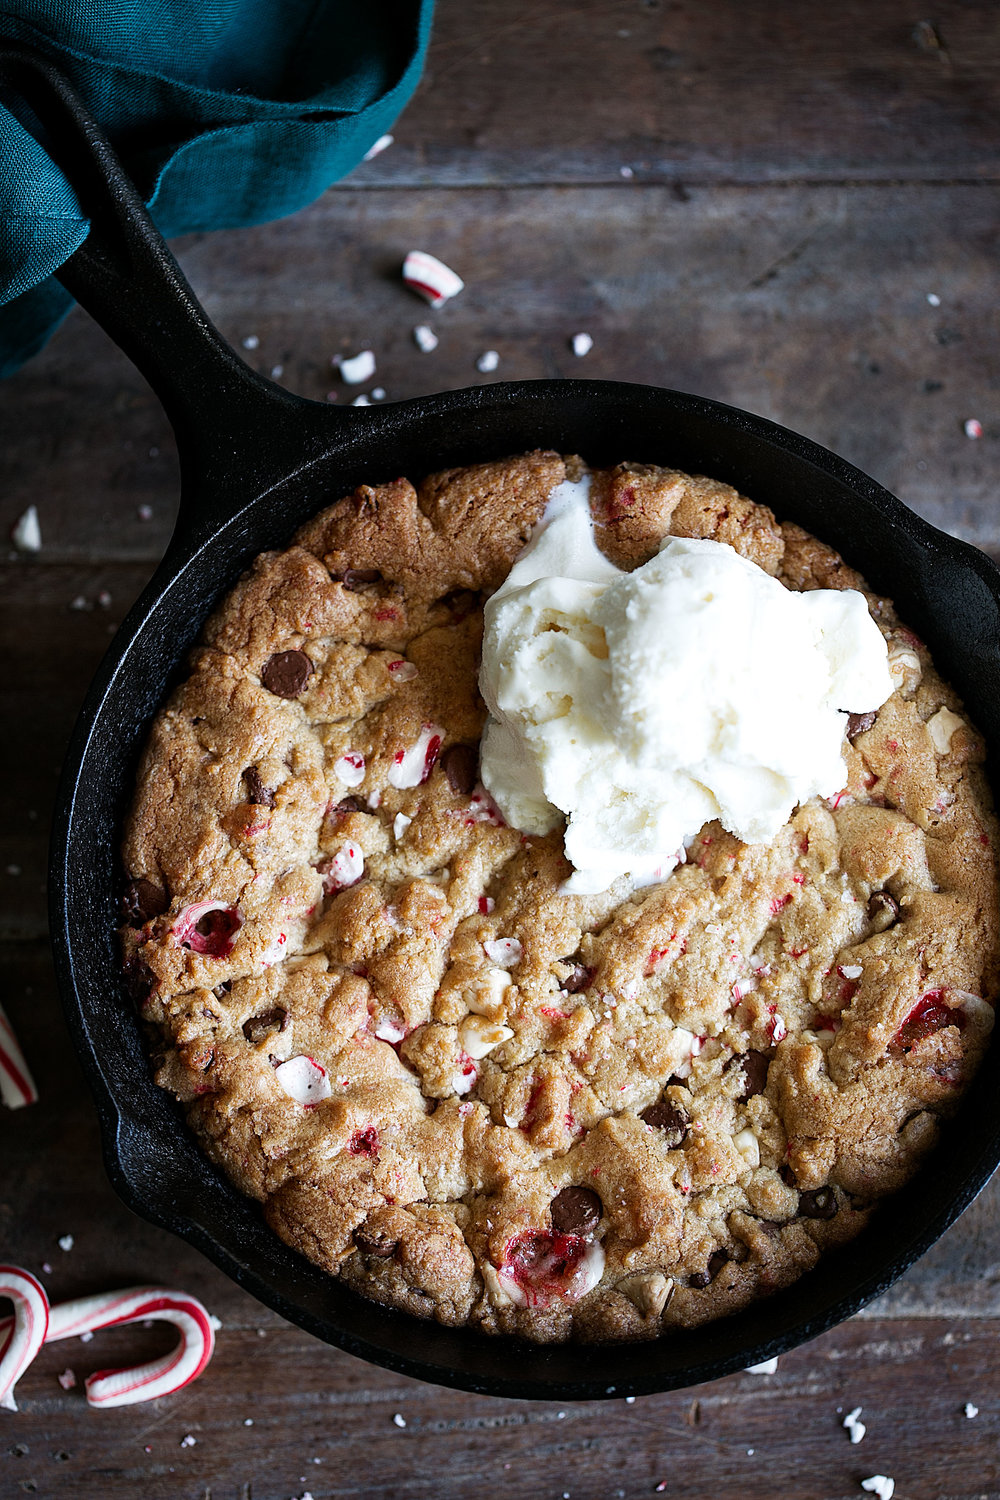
[286,673]
[344,806]
[260,795]
[460,603]
[821,1203]
[371,1240]
[716,1261]
[141,901]
[755,1066]
[883,911]
[222,989]
[139,978]
[860,724]
[460,764]
[579,979]
[258,1027]
[356,579]
[669,1118]
[576,1210]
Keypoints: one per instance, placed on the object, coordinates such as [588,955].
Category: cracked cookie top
[475,1098]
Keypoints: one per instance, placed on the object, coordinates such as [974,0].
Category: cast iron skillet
[256,462]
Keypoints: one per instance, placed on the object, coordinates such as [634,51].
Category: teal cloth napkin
[225,112]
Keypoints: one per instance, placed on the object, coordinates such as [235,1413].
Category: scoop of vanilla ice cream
[641,705]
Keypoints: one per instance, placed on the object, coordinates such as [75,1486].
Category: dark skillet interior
[255,463]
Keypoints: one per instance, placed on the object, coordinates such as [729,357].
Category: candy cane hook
[23,1335]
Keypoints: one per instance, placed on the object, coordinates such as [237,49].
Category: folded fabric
[225,113]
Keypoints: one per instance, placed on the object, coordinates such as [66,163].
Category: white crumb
[399,1419]
[970,1410]
[581,344]
[66,1242]
[27,532]
[487,362]
[425,338]
[355,369]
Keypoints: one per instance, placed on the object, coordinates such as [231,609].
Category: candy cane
[23,1335]
[17,1087]
[161,1377]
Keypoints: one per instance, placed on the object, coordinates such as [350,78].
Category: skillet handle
[128,280]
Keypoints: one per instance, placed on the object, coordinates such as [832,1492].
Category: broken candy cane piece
[412,767]
[504,952]
[425,338]
[401,670]
[304,1080]
[139,1304]
[345,868]
[17,1087]
[379,146]
[356,368]
[23,1335]
[208,927]
[430,278]
[541,1267]
[350,768]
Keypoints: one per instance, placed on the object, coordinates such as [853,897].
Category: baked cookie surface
[472,1097]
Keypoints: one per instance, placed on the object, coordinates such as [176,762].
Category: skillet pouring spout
[256,463]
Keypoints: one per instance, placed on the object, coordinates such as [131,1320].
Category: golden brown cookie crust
[476,1099]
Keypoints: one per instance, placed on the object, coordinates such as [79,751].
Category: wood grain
[802,178]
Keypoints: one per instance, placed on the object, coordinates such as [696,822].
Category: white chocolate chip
[748,1146]
[904,667]
[941,729]
[478,1035]
[485,995]
[648,1291]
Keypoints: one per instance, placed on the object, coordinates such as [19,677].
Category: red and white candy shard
[482,809]
[274,951]
[390,1029]
[542,1267]
[465,1075]
[208,927]
[357,368]
[350,768]
[304,1080]
[345,868]
[504,952]
[23,1335]
[411,767]
[17,1087]
[430,278]
[402,670]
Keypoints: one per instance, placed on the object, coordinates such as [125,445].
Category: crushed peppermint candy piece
[251,341]
[389,1029]
[581,344]
[67,1379]
[66,1242]
[487,362]
[85,1338]
[972,428]
[933,299]
[350,768]
[402,670]
[430,278]
[361,401]
[378,147]
[345,868]
[400,824]
[851,1424]
[504,952]
[188,1441]
[355,369]
[766,1367]
[399,1419]
[970,1409]
[27,533]
[378,393]
[425,338]
[880,1485]
[144,512]
[412,766]
[304,1080]
[850,971]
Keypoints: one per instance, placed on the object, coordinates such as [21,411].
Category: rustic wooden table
[792,208]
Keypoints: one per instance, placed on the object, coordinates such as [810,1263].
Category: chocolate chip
[141,901]
[139,978]
[258,1027]
[356,579]
[460,603]
[860,723]
[344,806]
[716,1261]
[883,910]
[222,989]
[669,1118]
[460,763]
[579,979]
[261,795]
[576,1210]
[371,1240]
[286,673]
[755,1066]
[818,1204]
